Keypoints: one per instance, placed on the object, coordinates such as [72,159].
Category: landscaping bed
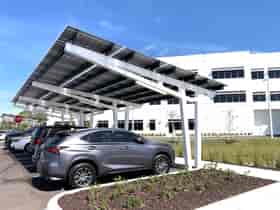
[182,191]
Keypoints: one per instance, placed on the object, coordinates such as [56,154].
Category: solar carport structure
[86,74]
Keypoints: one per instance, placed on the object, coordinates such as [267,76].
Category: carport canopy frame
[88,73]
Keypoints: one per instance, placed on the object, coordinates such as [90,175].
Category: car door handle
[92,147]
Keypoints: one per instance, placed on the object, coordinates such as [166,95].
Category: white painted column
[82,119]
[92,120]
[185,129]
[270,119]
[132,120]
[198,141]
[62,116]
[126,118]
[115,116]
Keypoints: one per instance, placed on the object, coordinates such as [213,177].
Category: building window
[274,73]
[275,96]
[102,124]
[121,124]
[138,125]
[176,124]
[258,96]
[230,98]
[173,101]
[152,125]
[257,74]
[225,73]
[155,103]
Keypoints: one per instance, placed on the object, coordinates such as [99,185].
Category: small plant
[167,194]
[118,179]
[115,194]
[200,187]
[133,202]
[229,175]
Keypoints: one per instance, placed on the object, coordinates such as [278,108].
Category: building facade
[242,108]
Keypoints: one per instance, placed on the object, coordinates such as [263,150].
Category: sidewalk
[262,198]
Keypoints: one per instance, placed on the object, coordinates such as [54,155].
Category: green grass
[252,151]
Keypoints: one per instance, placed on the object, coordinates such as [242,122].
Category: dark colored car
[80,157]
[41,133]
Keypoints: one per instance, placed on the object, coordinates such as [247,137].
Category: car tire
[161,164]
[82,175]
[27,148]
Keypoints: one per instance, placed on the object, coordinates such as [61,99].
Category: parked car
[22,143]
[81,156]
[12,135]
[20,140]
[3,134]
[41,133]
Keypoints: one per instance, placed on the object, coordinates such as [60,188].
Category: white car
[22,143]
[3,134]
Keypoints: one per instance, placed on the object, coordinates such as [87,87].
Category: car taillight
[38,141]
[54,150]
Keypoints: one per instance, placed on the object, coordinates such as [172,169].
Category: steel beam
[53,104]
[132,71]
[68,91]
[83,72]
[72,94]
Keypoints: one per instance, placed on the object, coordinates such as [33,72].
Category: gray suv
[81,156]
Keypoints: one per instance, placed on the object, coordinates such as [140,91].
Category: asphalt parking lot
[21,188]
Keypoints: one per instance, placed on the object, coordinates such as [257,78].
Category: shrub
[133,202]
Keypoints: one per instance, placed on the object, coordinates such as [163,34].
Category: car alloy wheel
[161,164]
[82,175]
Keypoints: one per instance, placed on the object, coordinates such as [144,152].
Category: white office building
[248,105]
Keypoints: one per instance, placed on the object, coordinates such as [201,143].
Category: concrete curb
[53,202]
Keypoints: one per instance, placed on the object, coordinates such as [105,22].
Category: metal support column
[185,128]
[268,100]
[115,116]
[82,119]
[62,116]
[198,142]
[91,120]
[126,118]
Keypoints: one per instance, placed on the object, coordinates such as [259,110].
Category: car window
[36,133]
[98,137]
[123,136]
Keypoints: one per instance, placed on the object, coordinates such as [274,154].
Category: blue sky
[155,27]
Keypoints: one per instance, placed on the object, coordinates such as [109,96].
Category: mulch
[202,187]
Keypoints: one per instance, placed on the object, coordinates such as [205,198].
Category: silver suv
[82,156]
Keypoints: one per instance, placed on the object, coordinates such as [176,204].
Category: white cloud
[108,25]
[161,48]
